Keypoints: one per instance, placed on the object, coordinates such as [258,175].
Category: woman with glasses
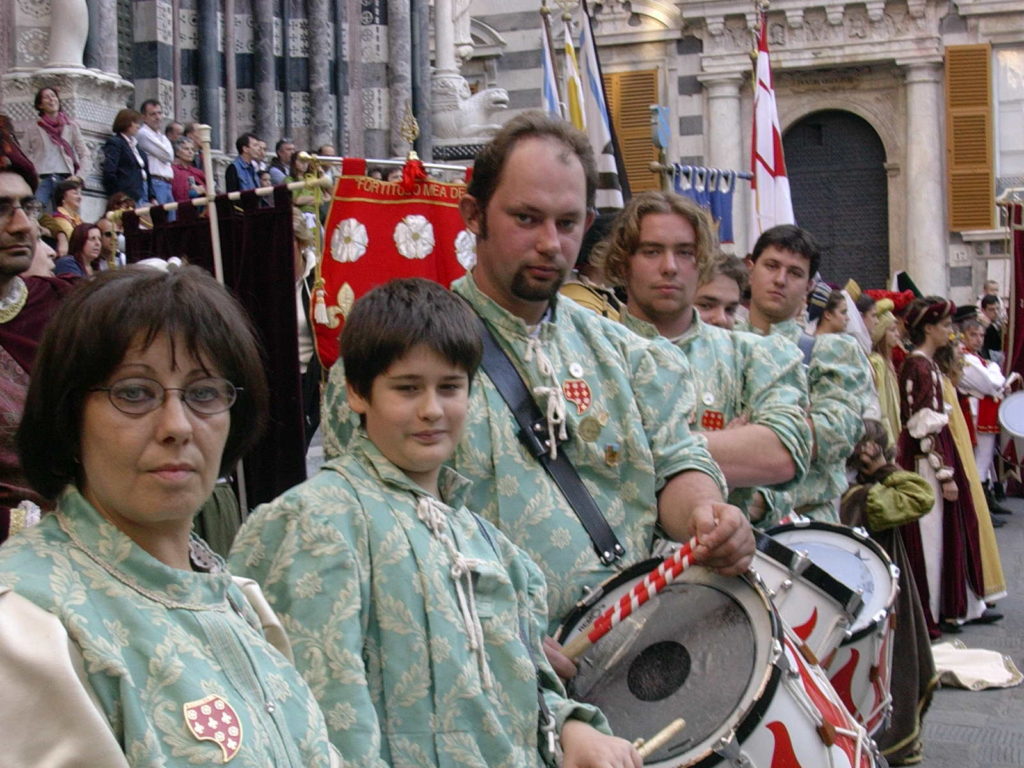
[123,640]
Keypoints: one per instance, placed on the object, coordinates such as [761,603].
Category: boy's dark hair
[731,267]
[395,317]
[988,300]
[88,337]
[789,237]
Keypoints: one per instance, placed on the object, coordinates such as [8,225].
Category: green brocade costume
[626,437]
[103,649]
[416,623]
[840,388]
[742,374]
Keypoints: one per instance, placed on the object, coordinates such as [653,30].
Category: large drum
[860,669]
[818,607]
[713,651]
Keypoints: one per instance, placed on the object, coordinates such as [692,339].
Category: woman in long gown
[943,545]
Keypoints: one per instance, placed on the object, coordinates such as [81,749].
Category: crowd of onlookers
[149,159]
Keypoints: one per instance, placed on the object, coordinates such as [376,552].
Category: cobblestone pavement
[985,729]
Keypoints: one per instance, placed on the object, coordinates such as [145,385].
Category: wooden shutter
[630,95]
[970,178]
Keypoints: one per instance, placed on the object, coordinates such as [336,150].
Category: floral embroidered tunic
[104,651]
[742,374]
[839,386]
[416,623]
[626,427]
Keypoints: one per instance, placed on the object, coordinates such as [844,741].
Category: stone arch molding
[878,112]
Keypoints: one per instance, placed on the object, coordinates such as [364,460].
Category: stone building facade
[861,88]
[862,103]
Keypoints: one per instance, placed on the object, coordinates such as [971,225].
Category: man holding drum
[616,405]
[752,391]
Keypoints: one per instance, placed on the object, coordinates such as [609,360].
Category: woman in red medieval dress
[943,545]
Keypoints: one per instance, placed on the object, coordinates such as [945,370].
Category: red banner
[376,232]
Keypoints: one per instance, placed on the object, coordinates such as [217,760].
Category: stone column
[101,47]
[69,30]
[374,80]
[266,126]
[725,142]
[399,72]
[321,51]
[927,243]
[210,75]
[421,102]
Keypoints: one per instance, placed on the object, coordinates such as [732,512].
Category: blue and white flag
[598,122]
[549,89]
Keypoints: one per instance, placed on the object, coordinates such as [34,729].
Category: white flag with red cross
[771,204]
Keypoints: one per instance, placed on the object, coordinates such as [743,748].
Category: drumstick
[647,747]
[652,584]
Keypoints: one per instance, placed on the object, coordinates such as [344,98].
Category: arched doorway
[836,164]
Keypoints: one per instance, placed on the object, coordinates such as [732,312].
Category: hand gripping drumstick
[652,584]
[647,747]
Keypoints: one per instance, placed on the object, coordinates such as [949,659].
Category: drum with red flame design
[860,669]
[818,607]
[713,651]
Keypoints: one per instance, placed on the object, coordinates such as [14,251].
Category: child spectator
[417,624]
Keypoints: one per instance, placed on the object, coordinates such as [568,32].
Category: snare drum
[1011,419]
[860,670]
[817,607]
[713,651]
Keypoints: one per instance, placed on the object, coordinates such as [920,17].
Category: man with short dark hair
[174,131]
[281,163]
[159,152]
[26,304]
[241,174]
[782,267]
[991,308]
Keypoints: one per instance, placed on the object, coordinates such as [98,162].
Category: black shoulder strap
[533,435]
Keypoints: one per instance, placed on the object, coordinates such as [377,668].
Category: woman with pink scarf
[55,146]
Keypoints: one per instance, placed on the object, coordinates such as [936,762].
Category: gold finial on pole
[409,128]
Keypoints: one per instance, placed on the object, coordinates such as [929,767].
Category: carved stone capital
[795,17]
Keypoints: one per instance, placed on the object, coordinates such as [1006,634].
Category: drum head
[699,651]
[1011,414]
[855,560]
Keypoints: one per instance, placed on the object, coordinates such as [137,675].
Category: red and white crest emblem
[577,392]
[213,719]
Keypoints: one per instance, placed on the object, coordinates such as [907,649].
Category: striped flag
[771,203]
[598,122]
[573,83]
[551,104]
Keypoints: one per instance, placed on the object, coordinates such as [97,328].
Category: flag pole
[620,165]
[545,17]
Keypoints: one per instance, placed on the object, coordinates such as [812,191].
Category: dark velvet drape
[258,259]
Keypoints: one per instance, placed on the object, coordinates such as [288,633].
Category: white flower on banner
[465,249]
[349,241]
[414,237]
